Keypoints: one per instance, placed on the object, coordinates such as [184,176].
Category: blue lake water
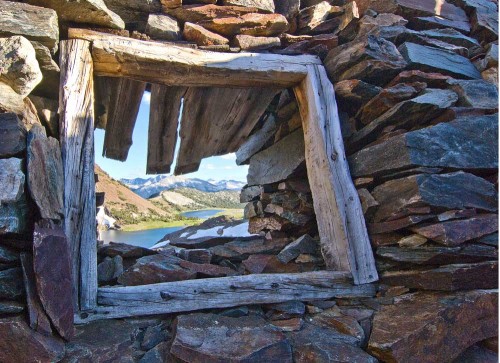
[150,237]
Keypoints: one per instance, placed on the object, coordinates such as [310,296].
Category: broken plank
[76,126]
[173,65]
[216,121]
[341,223]
[163,123]
[123,109]
[191,295]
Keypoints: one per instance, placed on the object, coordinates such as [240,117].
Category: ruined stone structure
[416,87]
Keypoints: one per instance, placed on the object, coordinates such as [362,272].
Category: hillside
[189,199]
[125,205]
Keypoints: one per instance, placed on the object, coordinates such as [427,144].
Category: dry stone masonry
[416,85]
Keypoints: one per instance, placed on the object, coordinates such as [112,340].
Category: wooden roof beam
[175,65]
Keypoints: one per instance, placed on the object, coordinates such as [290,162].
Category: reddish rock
[197,13]
[38,319]
[124,250]
[433,80]
[52,266]
[201,36]
[155,269]
[266,6]
[433,327]
[353,94]
[456,232]
[343,324]
[477,354]
[294,324]
[19,343]
[318,45]
[259,25]
[397,224]
[482,275]
[214,338]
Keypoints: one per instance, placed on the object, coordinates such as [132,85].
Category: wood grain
[191,295]
[172,65]
[341,223]
[76,110]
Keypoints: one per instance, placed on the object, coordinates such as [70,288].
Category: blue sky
[218,167]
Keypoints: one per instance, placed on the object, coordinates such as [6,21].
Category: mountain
[192,199]
[153,186]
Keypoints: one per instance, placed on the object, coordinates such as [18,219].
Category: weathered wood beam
[76,110]
[104,87]
[172,65]
[338,210]
[216,121]
[163,124]
[192,295]
[123,109]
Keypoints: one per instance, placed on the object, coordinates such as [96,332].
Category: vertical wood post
[76,124]
[341,223]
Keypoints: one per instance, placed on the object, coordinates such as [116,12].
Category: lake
[149,237]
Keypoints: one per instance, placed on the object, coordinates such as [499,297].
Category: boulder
[93,12]
[259,25]
[45,173]
[433,327]
[418,111]
[475,93]
[387,99]
[279,162]
[438,255]
[248,42]
[468,143]
[197,13]
[163,27]
[266,6]
[201,36]
[457,190]
[214,338]
[32,22]
[18,65]
[304,244]
[37,317]
[456,232]
[430,59]
[52,266]
[483,275]
[19,343]
[370,59]
[155,269]
[11,284]
[13,135]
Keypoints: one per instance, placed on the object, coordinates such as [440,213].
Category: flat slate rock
[353,94]
[259,25]
[475,93]
[20,343]
[52,266]
[11,284]
[93,12]
[13,133]
[12,180]
[304,244]
[163,27]
[124,250]
[433,327]
[256,142]
[197,13]
[468,143]
[430,59]
[266,6]
[457,190]
[278,162]
[32,22]
[11,307]
[215,338]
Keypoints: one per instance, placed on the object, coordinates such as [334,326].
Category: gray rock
[14,216]
[475,93]
[109,269]
[431,59]
[32,22]
[13,133]
[452,36]
[279,162]
[49,86]
[468,143]
[263,5]
[12,180]
[93,12]
[407,114]
[256,142]
[249,194]
[11,307]
[153,335]
[156,355]
[288,8]
[18,65]
[248,42]
[304,244]
[11,284]
[163,27]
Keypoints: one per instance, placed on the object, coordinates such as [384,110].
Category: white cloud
[146,97]
[229,167]
[209,167]
[231,156]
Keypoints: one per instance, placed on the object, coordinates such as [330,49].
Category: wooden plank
[123,109]
[216,121]
[172,65]
[163,124]
[76,118]
[192,295]
[104,87]
[338,210]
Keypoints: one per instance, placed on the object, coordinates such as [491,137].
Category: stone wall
[416,86]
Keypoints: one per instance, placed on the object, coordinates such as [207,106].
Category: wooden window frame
[341,224]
